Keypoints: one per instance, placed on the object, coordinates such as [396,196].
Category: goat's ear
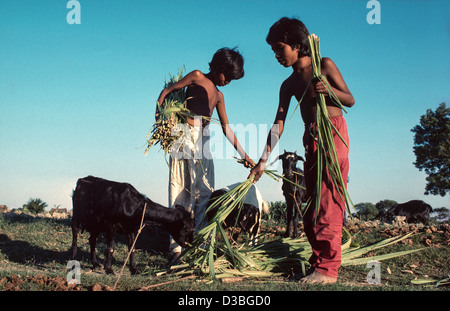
[300,158]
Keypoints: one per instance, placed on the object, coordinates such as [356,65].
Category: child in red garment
[289,41]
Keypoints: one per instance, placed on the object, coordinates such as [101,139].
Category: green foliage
[35,205]
[277,212]
[367,211]
[432,149]
[442,214]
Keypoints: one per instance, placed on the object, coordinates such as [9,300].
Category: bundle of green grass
[171,112]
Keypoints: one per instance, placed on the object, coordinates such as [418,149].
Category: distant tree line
[34,205]
[369,211]
[365,211]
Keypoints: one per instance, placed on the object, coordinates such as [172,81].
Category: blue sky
[78,100]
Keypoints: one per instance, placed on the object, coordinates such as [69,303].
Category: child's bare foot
[317,277]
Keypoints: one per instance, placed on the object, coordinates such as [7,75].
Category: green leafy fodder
[327,161]
[171,112]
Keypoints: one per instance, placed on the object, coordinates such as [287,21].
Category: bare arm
[189,79]
[336,81]
[228,132]
[275,132]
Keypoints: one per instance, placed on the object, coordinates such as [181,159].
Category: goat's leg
[288,217]
[74,241]
[133,268]
[295,220]
[109,251]
[92,243]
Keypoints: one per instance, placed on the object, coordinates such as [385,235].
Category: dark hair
[290,31]
[229,62]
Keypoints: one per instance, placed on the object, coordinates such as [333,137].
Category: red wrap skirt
[324,230]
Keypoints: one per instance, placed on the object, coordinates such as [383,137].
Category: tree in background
[432,149]
[441,214]
[385,204]
[366,210]
[35,205]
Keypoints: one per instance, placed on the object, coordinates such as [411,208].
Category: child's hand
[248,162]
[257,171]
[320,86]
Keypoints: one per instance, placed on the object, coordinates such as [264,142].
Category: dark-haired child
[191,180]
[289,41]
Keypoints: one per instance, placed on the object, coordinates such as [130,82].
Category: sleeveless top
[198,102]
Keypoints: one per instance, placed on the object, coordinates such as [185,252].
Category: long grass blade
[361,261]
[327,161]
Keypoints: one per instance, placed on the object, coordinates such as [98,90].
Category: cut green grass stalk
[352,256]
[204,250]
[327,160]
[275,176]
[277,257]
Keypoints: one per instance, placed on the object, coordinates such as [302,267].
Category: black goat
[414,211]
[293,194]
[100,205]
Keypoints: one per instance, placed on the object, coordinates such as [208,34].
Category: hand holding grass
[248,162]
[258,170]
[319,86]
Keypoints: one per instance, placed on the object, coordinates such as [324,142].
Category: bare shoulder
[196,74]
[196,77]
[326,61]
[328,65]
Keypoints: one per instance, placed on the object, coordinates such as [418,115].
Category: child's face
[285,54]
[220,80]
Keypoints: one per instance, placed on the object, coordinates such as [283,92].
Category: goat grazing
[101,205]
[414,211]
